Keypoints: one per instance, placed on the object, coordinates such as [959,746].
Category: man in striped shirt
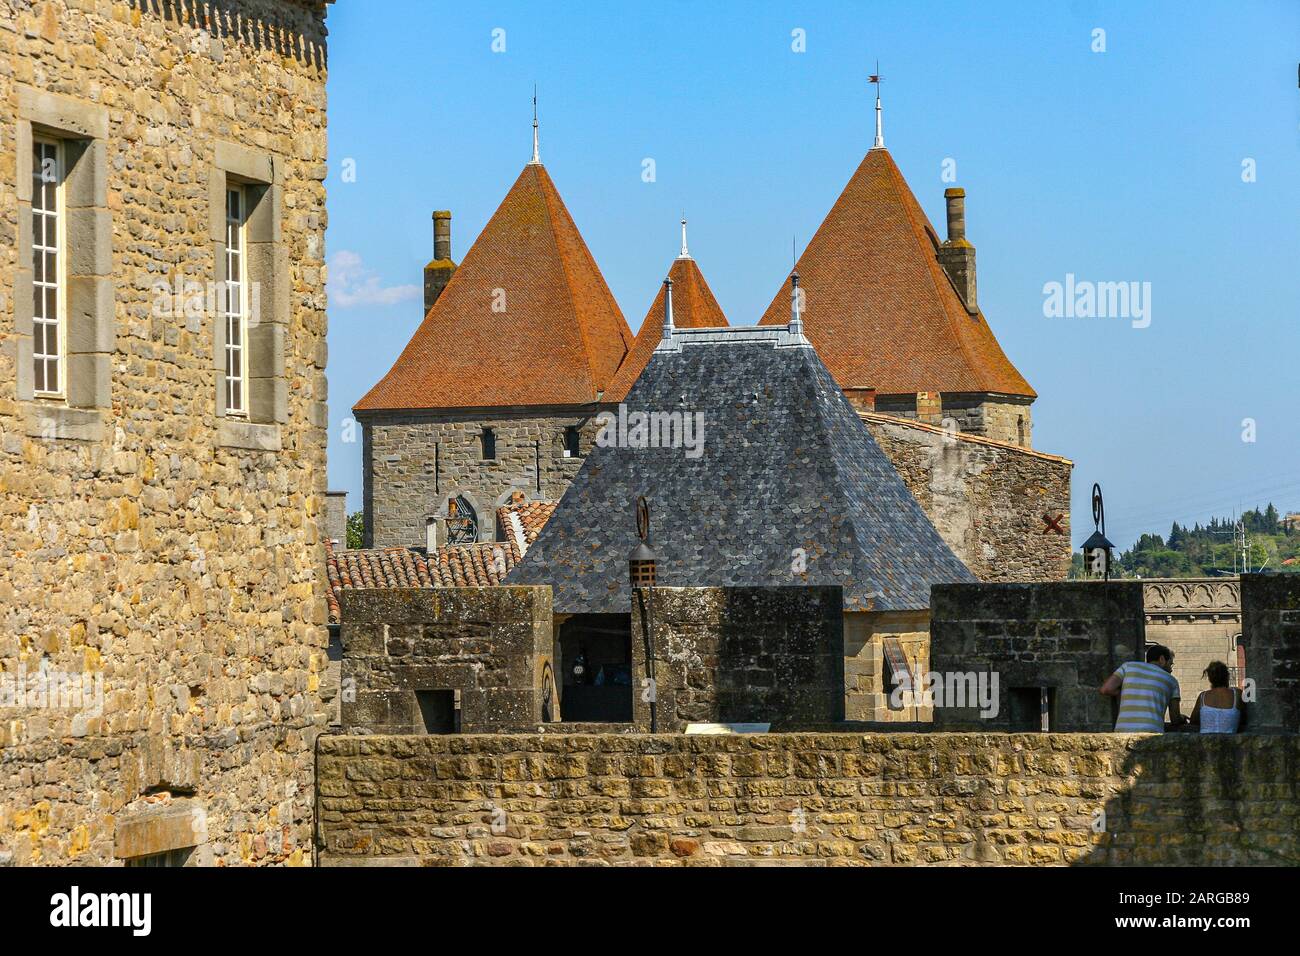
[1145,689]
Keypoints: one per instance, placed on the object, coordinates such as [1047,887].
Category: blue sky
[1122,165]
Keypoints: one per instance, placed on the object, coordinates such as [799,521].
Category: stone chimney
[957,255]
[439,271]
[336,518]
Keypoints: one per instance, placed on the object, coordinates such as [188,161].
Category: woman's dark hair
[1217,672]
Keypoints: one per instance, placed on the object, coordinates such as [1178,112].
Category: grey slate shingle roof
[786,464]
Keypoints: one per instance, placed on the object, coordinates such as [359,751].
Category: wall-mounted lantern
[641,563]
[1097,549]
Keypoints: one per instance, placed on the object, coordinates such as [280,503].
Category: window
[235,305]
[572,443]
[167,859]
[488,439]
[49,308]
[462,521]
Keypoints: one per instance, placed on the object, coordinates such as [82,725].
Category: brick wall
[809,799]
[986,499]
[168,554]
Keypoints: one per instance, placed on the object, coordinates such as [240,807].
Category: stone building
[162,429]
[759,473]
[495,393]
[892,311]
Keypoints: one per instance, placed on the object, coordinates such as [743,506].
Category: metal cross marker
[1053,524]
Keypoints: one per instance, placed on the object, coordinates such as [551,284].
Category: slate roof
[559,340]
[879,308]
[786,464]
[694,307]
[461,565]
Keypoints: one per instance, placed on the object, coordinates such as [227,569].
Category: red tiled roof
[879,308]
[558,341]
[694,307]
[532,516]
[460,565]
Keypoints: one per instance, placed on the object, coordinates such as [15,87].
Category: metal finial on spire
[684,254]
[880,134]
[668,308]
[537,156]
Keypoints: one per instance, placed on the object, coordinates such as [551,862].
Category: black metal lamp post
[641,574]
[1097,549]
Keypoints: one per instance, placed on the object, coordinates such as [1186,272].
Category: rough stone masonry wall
[739,655]
[987,499]
[491,646]
[1270,613]
[1067,636]
[809,800]
[413,463]
[184,574]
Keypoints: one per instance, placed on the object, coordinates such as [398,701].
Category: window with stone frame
[572,442]
[251,275]
[63,288]
[488,444]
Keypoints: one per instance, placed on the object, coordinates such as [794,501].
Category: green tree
[356,529]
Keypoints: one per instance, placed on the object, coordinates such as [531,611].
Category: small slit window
[488,441]
[572,443]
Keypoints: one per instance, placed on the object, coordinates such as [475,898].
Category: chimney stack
[957,255]
[439,271]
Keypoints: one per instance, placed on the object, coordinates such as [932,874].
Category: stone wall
[988,499]
[738,655]
[1067,637]
[809,800]
[1006,421]
[867,673]
[478,659]
[149,549]
[1270,610]
[1200,621]
[413,463]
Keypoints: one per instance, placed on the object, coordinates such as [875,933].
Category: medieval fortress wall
[159,555]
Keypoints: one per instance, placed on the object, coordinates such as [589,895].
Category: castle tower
[892,310]
[495,391]
[694,307]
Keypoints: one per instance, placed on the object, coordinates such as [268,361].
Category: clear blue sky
[1123,165]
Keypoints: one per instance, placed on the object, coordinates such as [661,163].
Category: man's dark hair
[1157,651]
[1217,672]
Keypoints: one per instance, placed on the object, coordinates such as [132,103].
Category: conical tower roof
[785,487]
[878,306]
[694,307]
[526,319]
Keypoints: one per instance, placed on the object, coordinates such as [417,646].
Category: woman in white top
[1219,710]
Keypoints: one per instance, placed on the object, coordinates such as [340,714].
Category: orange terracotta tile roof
[461,565]
[694,307]
[559,340]
[523,520]
[879,308]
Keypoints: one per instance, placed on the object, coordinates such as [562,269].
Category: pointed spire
[880,133]
[684,254]
[537,156]
[668,308]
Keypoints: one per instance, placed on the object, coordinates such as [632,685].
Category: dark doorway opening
[438,711]
[1032,709]
[596,668]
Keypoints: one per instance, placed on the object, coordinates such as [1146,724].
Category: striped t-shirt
[1143,697]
